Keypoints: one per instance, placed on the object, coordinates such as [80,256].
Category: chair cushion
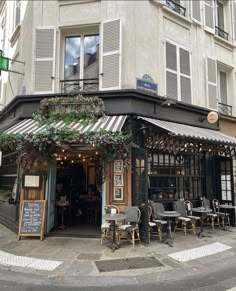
[183,218]
[221,213]
[127,227]
[160,221]
[152,223]
[212,214]
[193,217]
[105,225]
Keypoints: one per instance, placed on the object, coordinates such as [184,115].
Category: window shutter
[44,59]
[171,71]
[171,85]
[209,19]
[211,83]
[234,19]
[196,11]
[111,55]
[185,76]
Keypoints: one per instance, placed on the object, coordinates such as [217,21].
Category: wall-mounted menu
[32,218]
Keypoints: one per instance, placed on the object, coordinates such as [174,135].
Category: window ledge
[15,35]
[223,41]
[177,15]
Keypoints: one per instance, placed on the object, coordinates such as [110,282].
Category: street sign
[146,85]
[4,63]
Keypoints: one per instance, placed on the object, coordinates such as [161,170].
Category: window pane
[223,88]
[72,58]
[91,57]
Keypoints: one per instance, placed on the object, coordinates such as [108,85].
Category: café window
[81,58]
[176,176]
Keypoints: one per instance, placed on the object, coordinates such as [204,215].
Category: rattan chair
[155,221]
[222,216]
[130,230]
[106,226]
[184,222]
[212,219]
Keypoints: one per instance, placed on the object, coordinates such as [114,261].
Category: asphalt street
[220,280]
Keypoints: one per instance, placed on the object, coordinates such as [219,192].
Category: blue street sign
[146,85]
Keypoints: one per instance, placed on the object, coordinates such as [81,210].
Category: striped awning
[108,123]
[187,131]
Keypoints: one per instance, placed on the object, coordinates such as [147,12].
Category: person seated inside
[60,193]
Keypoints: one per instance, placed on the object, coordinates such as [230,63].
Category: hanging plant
[70,109]
[34,148]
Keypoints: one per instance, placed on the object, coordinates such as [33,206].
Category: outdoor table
[62,207]
[203,211]
[168,215]
[225,207]
[113,217]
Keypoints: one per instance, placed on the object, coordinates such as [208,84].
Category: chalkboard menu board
[32,218]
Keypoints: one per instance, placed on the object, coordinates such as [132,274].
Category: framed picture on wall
[118,180]
[118,166]
[118,193]
[32,181]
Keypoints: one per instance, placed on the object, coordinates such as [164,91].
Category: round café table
[202,211]
[113,217]
[226,207]
[168,215]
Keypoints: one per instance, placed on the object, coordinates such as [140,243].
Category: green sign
[4,63]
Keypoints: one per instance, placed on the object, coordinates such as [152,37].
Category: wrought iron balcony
[224,108]
[220,32]
[176,7]
[79,85]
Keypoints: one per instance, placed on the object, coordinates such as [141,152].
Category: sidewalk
[72,261]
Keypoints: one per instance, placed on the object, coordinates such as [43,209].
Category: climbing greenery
[38,147]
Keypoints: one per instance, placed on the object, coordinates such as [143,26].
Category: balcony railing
[220,32]
[176,7]
[79,85]
[224,108]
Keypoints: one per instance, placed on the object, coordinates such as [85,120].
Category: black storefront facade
[176,153]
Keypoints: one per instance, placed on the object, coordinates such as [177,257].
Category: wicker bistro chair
[189,207]
[184,222]
[221,215]
[106,226]
[155,220]
[130,230]
[212,219]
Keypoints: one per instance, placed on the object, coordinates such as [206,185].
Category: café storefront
[164,160]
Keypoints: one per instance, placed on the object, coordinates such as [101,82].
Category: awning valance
[193,132]
[108,123]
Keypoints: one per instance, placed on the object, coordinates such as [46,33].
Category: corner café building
[176,153]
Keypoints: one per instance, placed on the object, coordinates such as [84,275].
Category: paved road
[220,280]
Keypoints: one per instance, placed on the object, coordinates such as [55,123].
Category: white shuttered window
[44,59]
[211,83]
[234,19]
[196,10]
[178,73]
[111,55]
[209,15]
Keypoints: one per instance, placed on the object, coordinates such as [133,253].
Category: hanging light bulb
[83,159]
[72,161]
[63,150]
[96,153]
[91,158]
[61,163]
[65,157]
[79,155]
[93,145]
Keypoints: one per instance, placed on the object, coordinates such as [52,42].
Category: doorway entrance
[78,193]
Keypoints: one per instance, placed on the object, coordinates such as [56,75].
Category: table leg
[202,233]
[113,245]
[168,239]
[226,227]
